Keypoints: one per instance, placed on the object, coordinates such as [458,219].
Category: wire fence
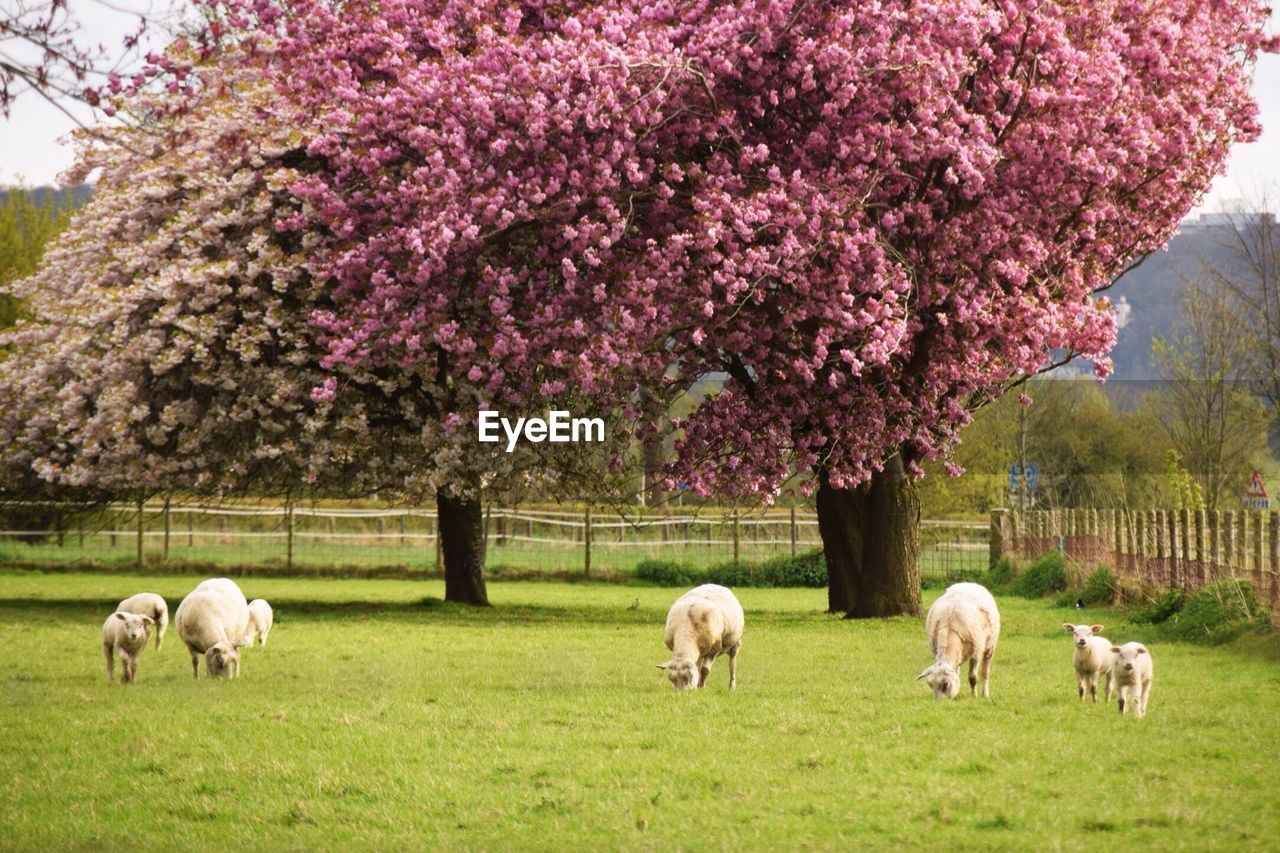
[290,537]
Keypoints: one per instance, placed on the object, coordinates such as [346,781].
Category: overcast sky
[34,150]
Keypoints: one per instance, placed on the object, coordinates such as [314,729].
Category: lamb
[125,635]
[148,604]
[261,618]
[213,621]
[964,624]
[1092,658]
[703,624]
[1132,667]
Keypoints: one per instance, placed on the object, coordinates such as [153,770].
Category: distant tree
[1250,272]
[28,221]
[1206,406]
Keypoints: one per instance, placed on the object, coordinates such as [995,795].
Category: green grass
[373,719]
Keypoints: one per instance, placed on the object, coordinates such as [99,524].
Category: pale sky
[34,149]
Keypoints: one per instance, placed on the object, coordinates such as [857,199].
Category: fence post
[288,534]
[586,542]
[735,534]
[793,531]
[1255,523]
[439,547]
[1175,548]
[166,528]
[1201,542]
[140,521]
[1229,541]
[995,537]
[402,530]
[1273,557]
[191,530]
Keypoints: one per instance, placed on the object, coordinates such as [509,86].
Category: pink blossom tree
[870,217]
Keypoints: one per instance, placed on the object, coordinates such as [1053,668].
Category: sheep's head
[683,674]
[135,627]
[222,659]
[1080,634]
[1127,655]
[944,680]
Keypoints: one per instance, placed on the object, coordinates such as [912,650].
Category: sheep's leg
[733,666]
[127,663]
[704,670]
[973,675]
[987,655]
[111,661]
[1080,685]
[1108,686]
[1146,692]
[1123,694]
[1093,687]
[195,662]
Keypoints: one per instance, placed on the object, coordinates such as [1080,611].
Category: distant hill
[78,194]
[1153,292]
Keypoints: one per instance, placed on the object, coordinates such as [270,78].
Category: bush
[667,573]
[1215,614]
[1047,574]
[1099,588]
[731,575]
[808,569]
[999,575]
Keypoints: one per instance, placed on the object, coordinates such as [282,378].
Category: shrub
[808,569]
[667,573]
[999,575]
[1098,588]
[1215,614]
[1047,574]
[731,574]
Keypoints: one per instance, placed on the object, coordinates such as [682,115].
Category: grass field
[373,718]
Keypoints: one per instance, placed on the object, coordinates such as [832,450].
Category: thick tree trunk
[462,543]
[871,539]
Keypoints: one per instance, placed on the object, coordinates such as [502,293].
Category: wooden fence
[1171,549]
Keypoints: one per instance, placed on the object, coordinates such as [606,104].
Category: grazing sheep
[148,604]
[213,620]
[1091,659]
[261,618]
[704,623]
[124,634]
[1132,667]
[964,624]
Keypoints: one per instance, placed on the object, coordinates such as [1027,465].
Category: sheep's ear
[121,616]
[662,666]
[1142,651]
[148,620]
[1115,650]
[240,644]
[1068,626]
[925,672]
[1097,629]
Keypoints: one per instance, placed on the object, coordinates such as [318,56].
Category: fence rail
[1180,549]
[292,534]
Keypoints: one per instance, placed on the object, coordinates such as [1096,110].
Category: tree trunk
[461,522]
[871,539]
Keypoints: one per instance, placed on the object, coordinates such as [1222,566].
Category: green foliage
[1047,574]
[28,221]
[999,575]
[1186,492]
[1099,588]
[668,573]
[1215,614]
[803,570]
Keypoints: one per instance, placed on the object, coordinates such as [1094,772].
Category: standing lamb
[964,624]
[148,604]
[703,624]
[1091,659]
[1132,667]
[124,634]
[261,618]
[213,620]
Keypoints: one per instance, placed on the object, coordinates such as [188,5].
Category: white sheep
[124,635]
[261,618]
[963,624]
[213,621]
[703,624]
[1133,669]
[1091,659]
[148,604]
